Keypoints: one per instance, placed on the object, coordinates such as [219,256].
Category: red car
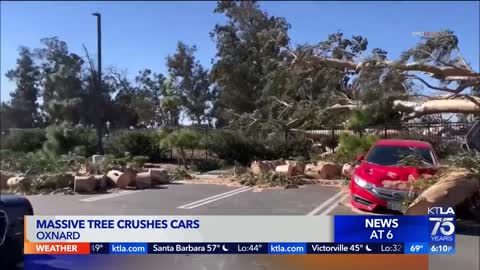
[383,162]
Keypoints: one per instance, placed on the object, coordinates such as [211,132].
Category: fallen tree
[452,188]
[464,105]
[435,59]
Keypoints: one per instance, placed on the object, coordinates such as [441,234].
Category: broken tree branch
[438,72]
[458,90]
[470,105]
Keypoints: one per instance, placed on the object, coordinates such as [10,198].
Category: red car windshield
[391,155]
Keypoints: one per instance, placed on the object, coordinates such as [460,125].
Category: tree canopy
[258,80]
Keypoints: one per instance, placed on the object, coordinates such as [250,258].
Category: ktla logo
[443,227]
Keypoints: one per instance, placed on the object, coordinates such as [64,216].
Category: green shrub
[352,145]
[182,140]
[181,174]
[207,165]
[137,143]
[24,140]
[64,140]
[467,159]
[40,162]
[235,147]
[139,161]
[292,147]
[358,120]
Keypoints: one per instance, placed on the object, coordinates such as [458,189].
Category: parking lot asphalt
[210,199]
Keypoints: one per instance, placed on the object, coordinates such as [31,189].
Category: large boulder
[159,176]
[452,188]
[85,184]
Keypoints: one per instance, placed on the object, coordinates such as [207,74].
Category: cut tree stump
[298,166]
[285,169]
[329,170]
[85,184]
[121,180]
[143,180]
[159,176]
[104,182]
[259,167]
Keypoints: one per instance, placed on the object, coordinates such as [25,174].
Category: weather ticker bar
[237,248]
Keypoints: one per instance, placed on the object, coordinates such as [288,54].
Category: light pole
[99,45]
[99,121]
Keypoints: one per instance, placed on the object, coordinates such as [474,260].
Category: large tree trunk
[434,106]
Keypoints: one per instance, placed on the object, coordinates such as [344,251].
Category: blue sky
[139,35]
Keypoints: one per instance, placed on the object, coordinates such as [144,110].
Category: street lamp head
[96,14]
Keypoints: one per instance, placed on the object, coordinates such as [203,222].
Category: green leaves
[248,48]
[352,145]
[22,110]
[436,49]
[190,82]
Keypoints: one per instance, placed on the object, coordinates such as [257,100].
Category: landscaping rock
[160,176]
[285,169]
[143,180]
[121,180]
[347,170]
[85,184]
[452,188]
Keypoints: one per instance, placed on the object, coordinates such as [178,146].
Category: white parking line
[214,198]
[326,203]
[108,196]
[334,205]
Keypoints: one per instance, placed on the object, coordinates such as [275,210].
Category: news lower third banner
[240,234]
